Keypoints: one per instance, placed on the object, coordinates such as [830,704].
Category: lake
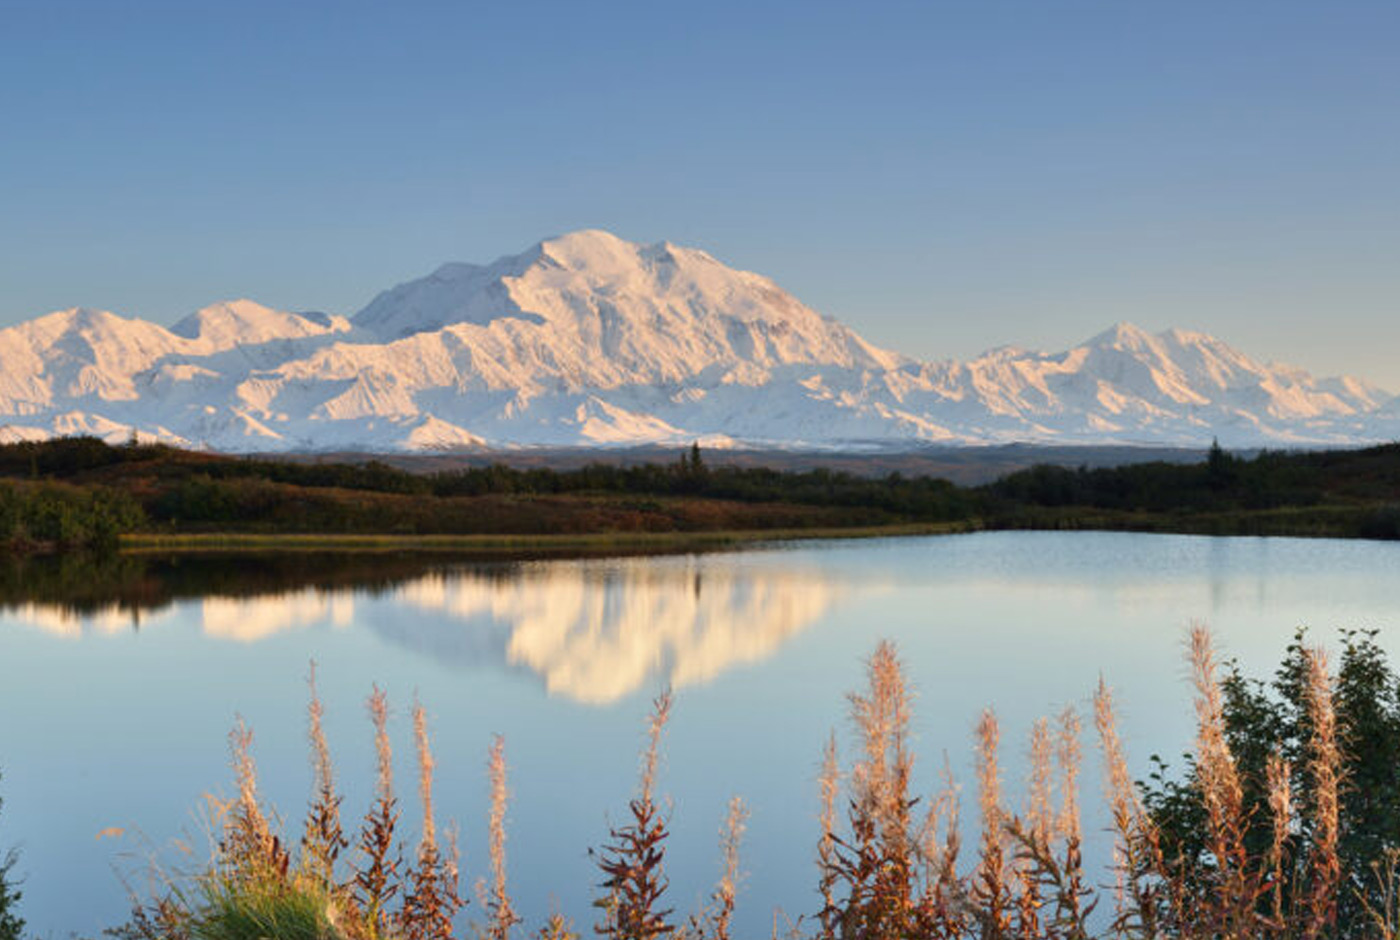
[119,684]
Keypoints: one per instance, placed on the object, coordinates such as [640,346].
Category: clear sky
[943,176]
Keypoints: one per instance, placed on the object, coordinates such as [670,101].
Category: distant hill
[966,465]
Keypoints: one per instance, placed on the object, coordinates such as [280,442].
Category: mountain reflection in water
[593,631]
[596,633]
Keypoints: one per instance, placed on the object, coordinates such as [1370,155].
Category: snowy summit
[588,339]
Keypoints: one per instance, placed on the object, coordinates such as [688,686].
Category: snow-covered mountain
[587,339]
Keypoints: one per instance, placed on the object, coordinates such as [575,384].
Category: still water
[118,687]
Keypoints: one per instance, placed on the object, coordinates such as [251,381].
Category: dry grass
[1324,766]
[715,921]
[883,872]
[250,850]
[830,783]
[501,910]
[376,878]
[991,889]
[1230,908]
[323,838]
[431,900]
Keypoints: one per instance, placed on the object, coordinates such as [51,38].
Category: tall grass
[886,867]
[501,910]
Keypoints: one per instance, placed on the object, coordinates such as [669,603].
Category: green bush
[65,516]
[1266,717]
[11,924]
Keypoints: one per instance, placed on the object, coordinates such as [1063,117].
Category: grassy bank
[588,543]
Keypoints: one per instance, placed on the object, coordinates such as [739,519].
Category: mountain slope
[587,339]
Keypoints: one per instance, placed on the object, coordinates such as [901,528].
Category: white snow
[588,339]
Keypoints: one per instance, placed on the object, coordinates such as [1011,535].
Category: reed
[991,889]
[1230,906]
[871,872]
[1280,788]
[1324,767]
[431,899]
[715,922]
[500,909]
[943,906]
[376,880]
[557,927]
[250,851]
[829,782]
[883,874]
[633,861]
[1140,876]
[1068,755]
[323,838]
[1039,813]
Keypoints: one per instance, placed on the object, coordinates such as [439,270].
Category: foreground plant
[11,924]
[633,861]
[1258,842]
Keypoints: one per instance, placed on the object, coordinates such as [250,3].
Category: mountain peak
[244,322]
[78,318]
[593,252]
[658,305]
[588,240]
[1122,334]
[587,338]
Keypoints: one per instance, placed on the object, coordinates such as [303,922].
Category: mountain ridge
[588,339]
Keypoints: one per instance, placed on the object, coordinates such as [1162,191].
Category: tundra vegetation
[11,924]
[81,493]
[1284,824]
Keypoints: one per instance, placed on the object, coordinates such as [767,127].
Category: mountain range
[590,340]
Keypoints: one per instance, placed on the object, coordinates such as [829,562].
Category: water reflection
[597,633]
[592,631]
[119,679]
[69,624]
[249,619]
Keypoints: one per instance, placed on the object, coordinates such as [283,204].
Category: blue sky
[944,177]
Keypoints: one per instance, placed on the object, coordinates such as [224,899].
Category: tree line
[79,492]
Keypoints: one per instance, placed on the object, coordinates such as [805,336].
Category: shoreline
[142,543]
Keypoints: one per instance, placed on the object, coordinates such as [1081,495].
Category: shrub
[11,925]
[65,517]
[1272,732]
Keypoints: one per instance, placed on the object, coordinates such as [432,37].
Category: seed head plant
[632,862]
[377,875]
[431,899]
[323,838]
[1266,860]
[499,907]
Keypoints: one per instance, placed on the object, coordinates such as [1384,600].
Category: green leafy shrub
[11,925]
[66,517]
[1263,719]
